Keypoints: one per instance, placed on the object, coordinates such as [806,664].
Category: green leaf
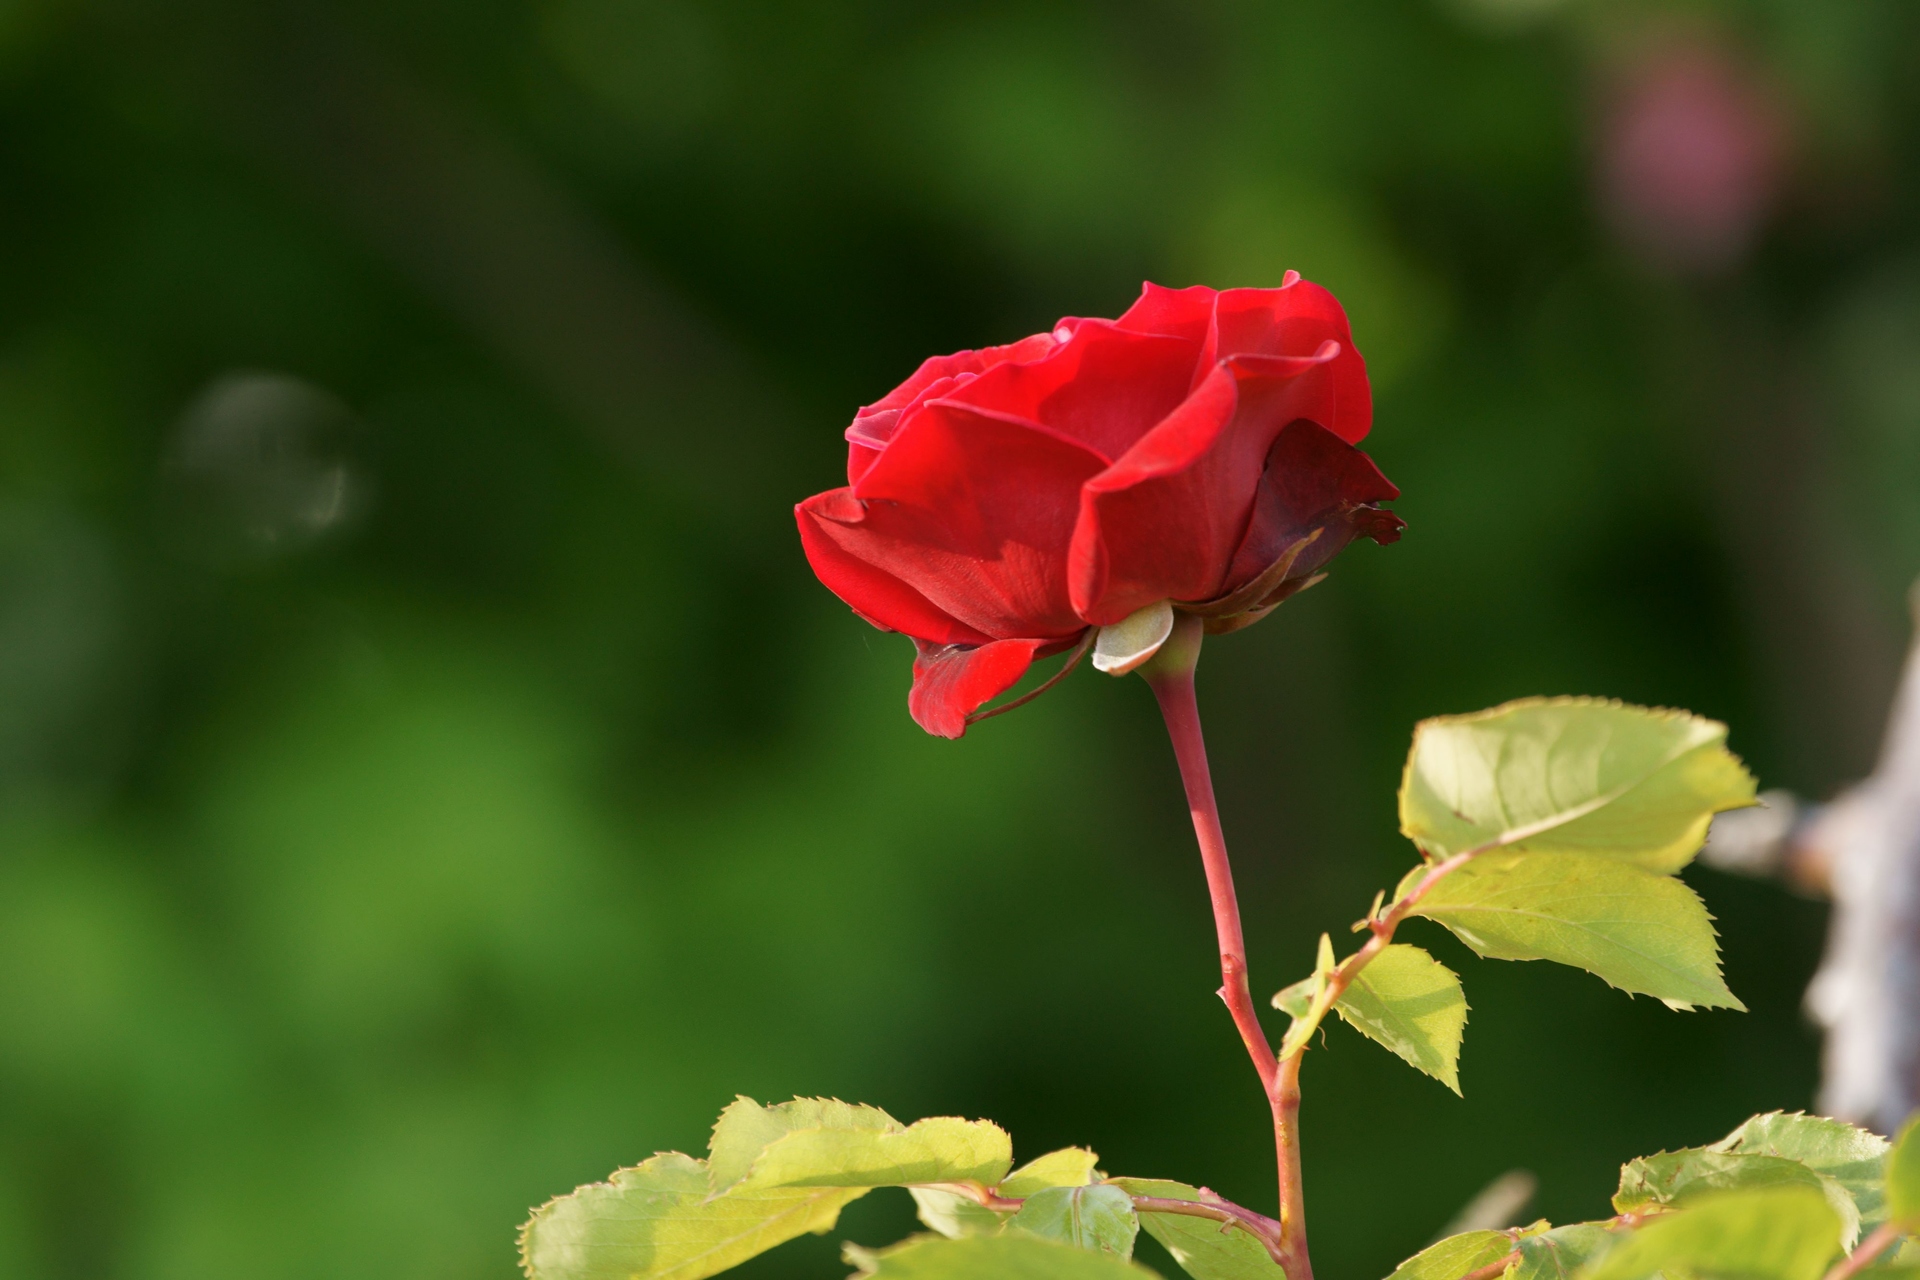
[1067,1167]
[657,1222]
[1778,1233]
[1571,775]
[1199,1245]
[1903,1177]
[1676,1179]
[1301,996]
[1098,1217]
[1559,1253]
[1411,1003]
[953,1214]
[1640,931]
[1295,1000]
[1015,1256]
[1455,1256]
[745,1128]
[937,1149]
[1853,1157]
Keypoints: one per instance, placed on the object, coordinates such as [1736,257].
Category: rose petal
[1105,386]
[1292,321]
[951,682]
[934,368]
[1183,313]
[975,513]
[831,535]
[874,425]
[1313,480]
[1164,521]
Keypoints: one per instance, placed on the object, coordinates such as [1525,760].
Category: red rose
[1197,451]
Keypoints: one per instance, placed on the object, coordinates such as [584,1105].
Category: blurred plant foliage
[361,884]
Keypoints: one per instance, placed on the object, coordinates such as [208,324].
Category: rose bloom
[1008,503]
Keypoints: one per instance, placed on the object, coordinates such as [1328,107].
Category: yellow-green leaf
[1852,1157]
[1676,1179]
[658,1222]
[1201,1246]
[1571,775]
[745,1128]
[1903,1177]
[1560,1253]
[954,1215]
[937,1149]
[1780,1233]
[1411,1003]
[1638,930]
[1455,1256]
[1015,1256]
[1099,1217]
[1067,1167]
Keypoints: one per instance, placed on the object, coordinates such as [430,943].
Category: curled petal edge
[1078,652]
[952,681]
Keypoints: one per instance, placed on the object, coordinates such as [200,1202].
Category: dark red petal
[830,531]
[1103,386]
[951,682]
[1313,480]
[975,512]
[1164,521]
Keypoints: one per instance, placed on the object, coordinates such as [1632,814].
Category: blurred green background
[430,776]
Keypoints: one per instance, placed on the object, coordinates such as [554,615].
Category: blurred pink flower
[1690,158]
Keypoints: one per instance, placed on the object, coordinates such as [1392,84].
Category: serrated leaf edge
[1515,835]
[754,1165]
[1467,1009]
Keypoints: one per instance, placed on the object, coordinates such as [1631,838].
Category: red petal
[1164,521]
[875,424]
[1296,321]
[831,533]
[975,512]
[951,683]
[1184,313]
[1103,386]
[934,368]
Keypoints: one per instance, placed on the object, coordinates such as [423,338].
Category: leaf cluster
[1783,1197]
[1548,829]
[772,1173]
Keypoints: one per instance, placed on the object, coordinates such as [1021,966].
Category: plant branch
[1871,1248]
[1170,675]
[1493,1269]
[1382,927]
[1257,1225]
[1214,1207]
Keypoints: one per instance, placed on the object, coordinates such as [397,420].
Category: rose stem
[1870,1249]
[1170,675]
